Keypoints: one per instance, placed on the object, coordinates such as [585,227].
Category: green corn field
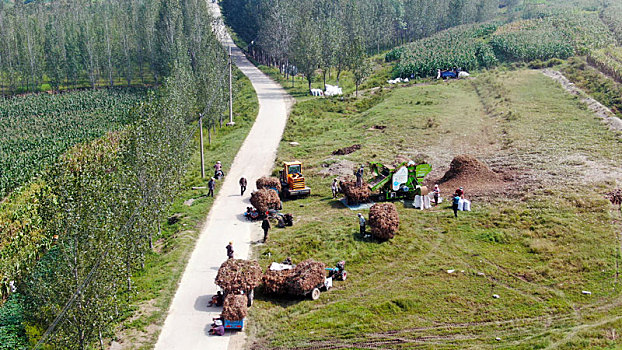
[36,129]
[559,35]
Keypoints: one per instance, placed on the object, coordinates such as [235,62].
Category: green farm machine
[403,181]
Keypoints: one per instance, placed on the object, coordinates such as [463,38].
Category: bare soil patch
[343,169]
[347,150]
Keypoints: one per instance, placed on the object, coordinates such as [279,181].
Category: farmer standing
[242,185]
[359,176]
[460,192]
[361,224]
[229,248]
[211,184]
[335,188]
[265,225]
[455,203]
[437,194]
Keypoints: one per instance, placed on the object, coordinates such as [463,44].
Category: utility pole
[231,122]
[201,144]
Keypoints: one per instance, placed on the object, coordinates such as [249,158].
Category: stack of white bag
[422,202]
[464,205]
[317,92]
[397,80]
[332,90]
[425,202]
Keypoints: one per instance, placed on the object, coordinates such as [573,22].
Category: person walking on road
[211,184]
[335,188]
[265,225]
[362,224]
[243,184]
[229,248]
[455,203]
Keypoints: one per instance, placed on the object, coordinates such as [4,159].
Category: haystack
[384,220]
[355,194]
[268,182]
[275,281]
[306,276]
[297,281]
[265,199]
[234,307]
[347,150]
[238,275]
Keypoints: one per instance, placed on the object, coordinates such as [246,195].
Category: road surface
[188,321]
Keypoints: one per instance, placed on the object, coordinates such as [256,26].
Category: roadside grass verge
[156,283]
[538,246]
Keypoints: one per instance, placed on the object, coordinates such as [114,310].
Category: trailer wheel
[315,294]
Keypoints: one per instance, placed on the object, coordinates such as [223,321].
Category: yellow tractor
[292,181]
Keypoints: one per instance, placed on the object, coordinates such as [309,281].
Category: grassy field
[537,242]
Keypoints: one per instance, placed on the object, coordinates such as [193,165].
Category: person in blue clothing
[456,201]
[211,184]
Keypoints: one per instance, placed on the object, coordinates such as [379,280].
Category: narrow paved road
[188,321]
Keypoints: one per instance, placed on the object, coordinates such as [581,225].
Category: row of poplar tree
[324,34]
[104,200]
[81,42]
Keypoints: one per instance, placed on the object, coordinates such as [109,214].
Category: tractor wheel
[315,294]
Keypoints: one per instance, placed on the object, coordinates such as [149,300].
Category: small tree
[359,64]
[361,70]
